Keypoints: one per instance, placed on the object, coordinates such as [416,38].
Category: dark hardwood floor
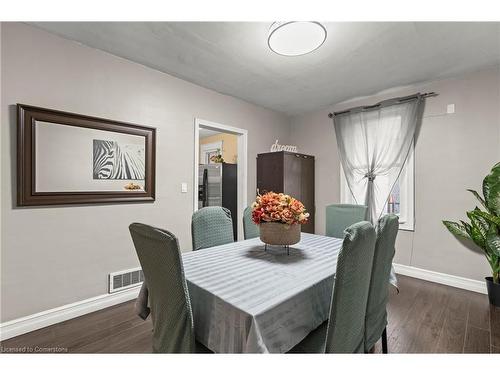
[423,318]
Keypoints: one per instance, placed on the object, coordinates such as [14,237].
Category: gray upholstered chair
[376,313]
[344,332]
[340,216]
[250,229]
[211,226]
[158,252]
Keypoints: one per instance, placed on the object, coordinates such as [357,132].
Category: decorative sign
[277,147]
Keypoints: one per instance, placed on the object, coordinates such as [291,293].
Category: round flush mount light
[296,38]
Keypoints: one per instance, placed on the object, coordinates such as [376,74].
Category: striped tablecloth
[246,300]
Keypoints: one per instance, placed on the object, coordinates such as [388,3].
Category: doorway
[220,150]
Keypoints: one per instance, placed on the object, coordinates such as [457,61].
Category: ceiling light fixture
[296,38]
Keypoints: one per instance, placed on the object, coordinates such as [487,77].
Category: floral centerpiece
[280,217]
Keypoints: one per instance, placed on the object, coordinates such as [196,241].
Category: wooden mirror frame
[26,159]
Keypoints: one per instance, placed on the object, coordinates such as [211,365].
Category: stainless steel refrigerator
[218,186]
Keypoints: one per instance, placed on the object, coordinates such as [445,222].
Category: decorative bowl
[272,233]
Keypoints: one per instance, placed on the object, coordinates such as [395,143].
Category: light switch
[450,108]
[184,187]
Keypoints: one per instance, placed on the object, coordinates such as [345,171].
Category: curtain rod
[402,99]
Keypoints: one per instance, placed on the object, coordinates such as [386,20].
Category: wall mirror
[66,158]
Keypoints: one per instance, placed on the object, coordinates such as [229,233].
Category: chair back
[376,313]
[340,216]
[346,325]
[158,252]
[250,229]
[211,226]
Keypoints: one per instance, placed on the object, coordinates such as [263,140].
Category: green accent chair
[211,226]
[340,216]
[250,229]
[344,331]
[159,255]
[376,313]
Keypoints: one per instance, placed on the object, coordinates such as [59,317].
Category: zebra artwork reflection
[114,161]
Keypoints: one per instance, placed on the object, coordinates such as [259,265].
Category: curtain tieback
[370,176]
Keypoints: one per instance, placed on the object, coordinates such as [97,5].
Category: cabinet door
[292,169]
[270,172]
[307,190]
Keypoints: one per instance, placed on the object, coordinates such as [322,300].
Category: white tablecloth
[246,300]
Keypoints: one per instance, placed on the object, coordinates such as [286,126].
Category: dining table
[249,299]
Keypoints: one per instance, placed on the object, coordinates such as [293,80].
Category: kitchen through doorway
[220,170]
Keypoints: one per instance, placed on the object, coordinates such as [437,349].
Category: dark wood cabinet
[289,173]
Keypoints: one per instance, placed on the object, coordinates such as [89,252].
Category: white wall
[58,255]
[453,153]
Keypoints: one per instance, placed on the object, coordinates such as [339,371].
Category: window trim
[206,148]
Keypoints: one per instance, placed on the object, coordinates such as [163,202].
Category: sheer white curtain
[374,143]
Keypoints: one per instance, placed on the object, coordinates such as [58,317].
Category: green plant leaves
[483,228]
[478,221]
[491,218]
[456,229]
[493,243]
[477,237]
[491,190]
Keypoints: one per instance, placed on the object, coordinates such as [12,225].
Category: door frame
[242,165]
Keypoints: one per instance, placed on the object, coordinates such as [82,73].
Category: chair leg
[384,341]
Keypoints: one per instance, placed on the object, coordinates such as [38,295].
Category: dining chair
[344,331]
[160,259]
[250,229]
[376,312]
[211,226]
[340,216]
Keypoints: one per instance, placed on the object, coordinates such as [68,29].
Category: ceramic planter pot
[279,234]
[493,291]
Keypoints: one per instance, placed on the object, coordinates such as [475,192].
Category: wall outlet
[184,187]
[450,108]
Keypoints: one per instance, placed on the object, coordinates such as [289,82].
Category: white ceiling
[357,58]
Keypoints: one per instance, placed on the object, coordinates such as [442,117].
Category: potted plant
[483,229]
[217,158]
[280,217]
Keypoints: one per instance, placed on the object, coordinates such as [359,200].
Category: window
[401,199]
[207,150]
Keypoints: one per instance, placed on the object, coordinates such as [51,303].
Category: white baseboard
[442,278]
[46,318]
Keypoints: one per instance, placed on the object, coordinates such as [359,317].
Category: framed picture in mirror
[67,158]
